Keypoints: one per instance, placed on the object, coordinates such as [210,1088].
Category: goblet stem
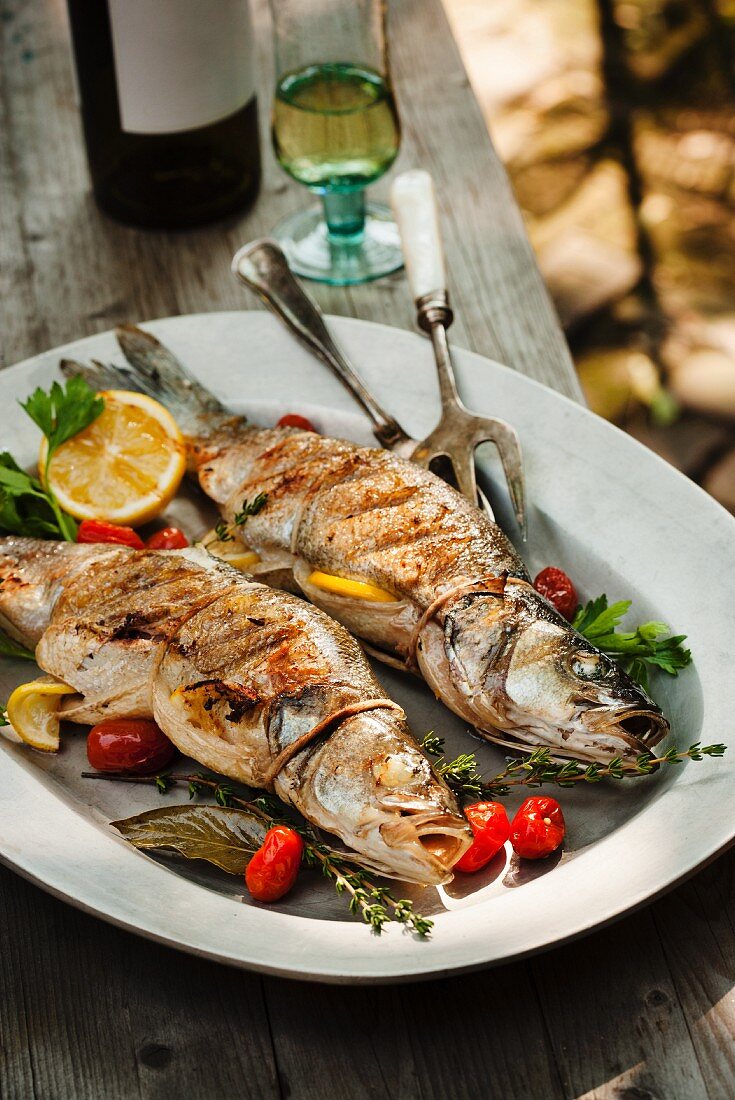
[344,213]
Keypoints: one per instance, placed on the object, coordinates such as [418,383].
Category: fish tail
[159,373]
[99,375]
[152,369]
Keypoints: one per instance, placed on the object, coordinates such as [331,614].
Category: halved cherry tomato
[168,538]
[135,745]
[96,530]
[538,828]
[490,828]
[293,420]
[556,587]
[273,869]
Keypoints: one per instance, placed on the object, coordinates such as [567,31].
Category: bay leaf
[224,836]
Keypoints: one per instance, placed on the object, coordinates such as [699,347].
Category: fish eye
[586,665]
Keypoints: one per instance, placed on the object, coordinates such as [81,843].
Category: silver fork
[459,431]
[262,266]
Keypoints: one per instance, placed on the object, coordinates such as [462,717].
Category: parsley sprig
[63,411]
[25,506]
[648,646]
[374,904]
[28,505]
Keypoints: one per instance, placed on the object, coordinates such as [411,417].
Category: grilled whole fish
[237,674]
[465,614]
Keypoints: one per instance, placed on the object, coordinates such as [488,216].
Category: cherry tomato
[556,586]
[134,745]
[293,420]
[273,869]
[168,538]
[490,828]
[538,828]
[96,530]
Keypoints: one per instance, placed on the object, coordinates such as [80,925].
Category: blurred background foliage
[616,120]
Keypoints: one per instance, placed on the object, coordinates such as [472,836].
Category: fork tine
[464,471]
[506,440]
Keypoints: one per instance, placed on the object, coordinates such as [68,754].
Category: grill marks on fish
[365,514]
[353,510]
[368,515]
[235,672]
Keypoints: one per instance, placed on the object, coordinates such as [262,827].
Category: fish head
[371,784]
[523,671]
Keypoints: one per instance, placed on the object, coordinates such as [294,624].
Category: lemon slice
[343,586]
[33,712]
[125,467]
[234,553]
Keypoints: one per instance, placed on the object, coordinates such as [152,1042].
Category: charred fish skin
[237,674]
[503,660]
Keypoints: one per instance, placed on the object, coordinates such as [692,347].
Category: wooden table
[644,1009]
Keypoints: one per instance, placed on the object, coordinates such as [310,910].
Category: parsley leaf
[25,508]
[63,411]
[648,646]
[597,620]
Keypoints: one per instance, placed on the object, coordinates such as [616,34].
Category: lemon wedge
[33,712]
[233,553]
[342,586]
[125,467]
[243,559]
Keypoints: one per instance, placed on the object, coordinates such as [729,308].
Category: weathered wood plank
[481,1035]
[89,1011]
[65,1022]
[614,1017]
[20,325]
[695,924]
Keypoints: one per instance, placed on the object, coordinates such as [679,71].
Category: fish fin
[99,375]
[160,374]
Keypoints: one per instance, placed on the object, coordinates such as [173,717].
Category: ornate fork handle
[262,266]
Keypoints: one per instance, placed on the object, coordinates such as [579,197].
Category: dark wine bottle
[168,105]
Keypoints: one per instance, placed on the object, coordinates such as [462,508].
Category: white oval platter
[618,518]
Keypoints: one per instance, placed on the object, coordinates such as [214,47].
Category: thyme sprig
[461,774]
[538,769]
[374,904]
[227,532]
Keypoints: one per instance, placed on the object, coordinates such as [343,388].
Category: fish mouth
[638,727]
[433,840]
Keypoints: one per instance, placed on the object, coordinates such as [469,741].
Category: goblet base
[344,259]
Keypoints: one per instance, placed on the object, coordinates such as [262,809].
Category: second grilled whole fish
[464,613]
[249,681]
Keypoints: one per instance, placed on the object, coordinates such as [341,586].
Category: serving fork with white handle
[459,431]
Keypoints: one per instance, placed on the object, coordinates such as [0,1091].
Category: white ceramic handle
[414,206]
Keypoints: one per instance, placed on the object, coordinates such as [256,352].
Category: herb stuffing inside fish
[461,609]
[251,682]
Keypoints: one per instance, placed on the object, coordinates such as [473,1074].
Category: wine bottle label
[180,64]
